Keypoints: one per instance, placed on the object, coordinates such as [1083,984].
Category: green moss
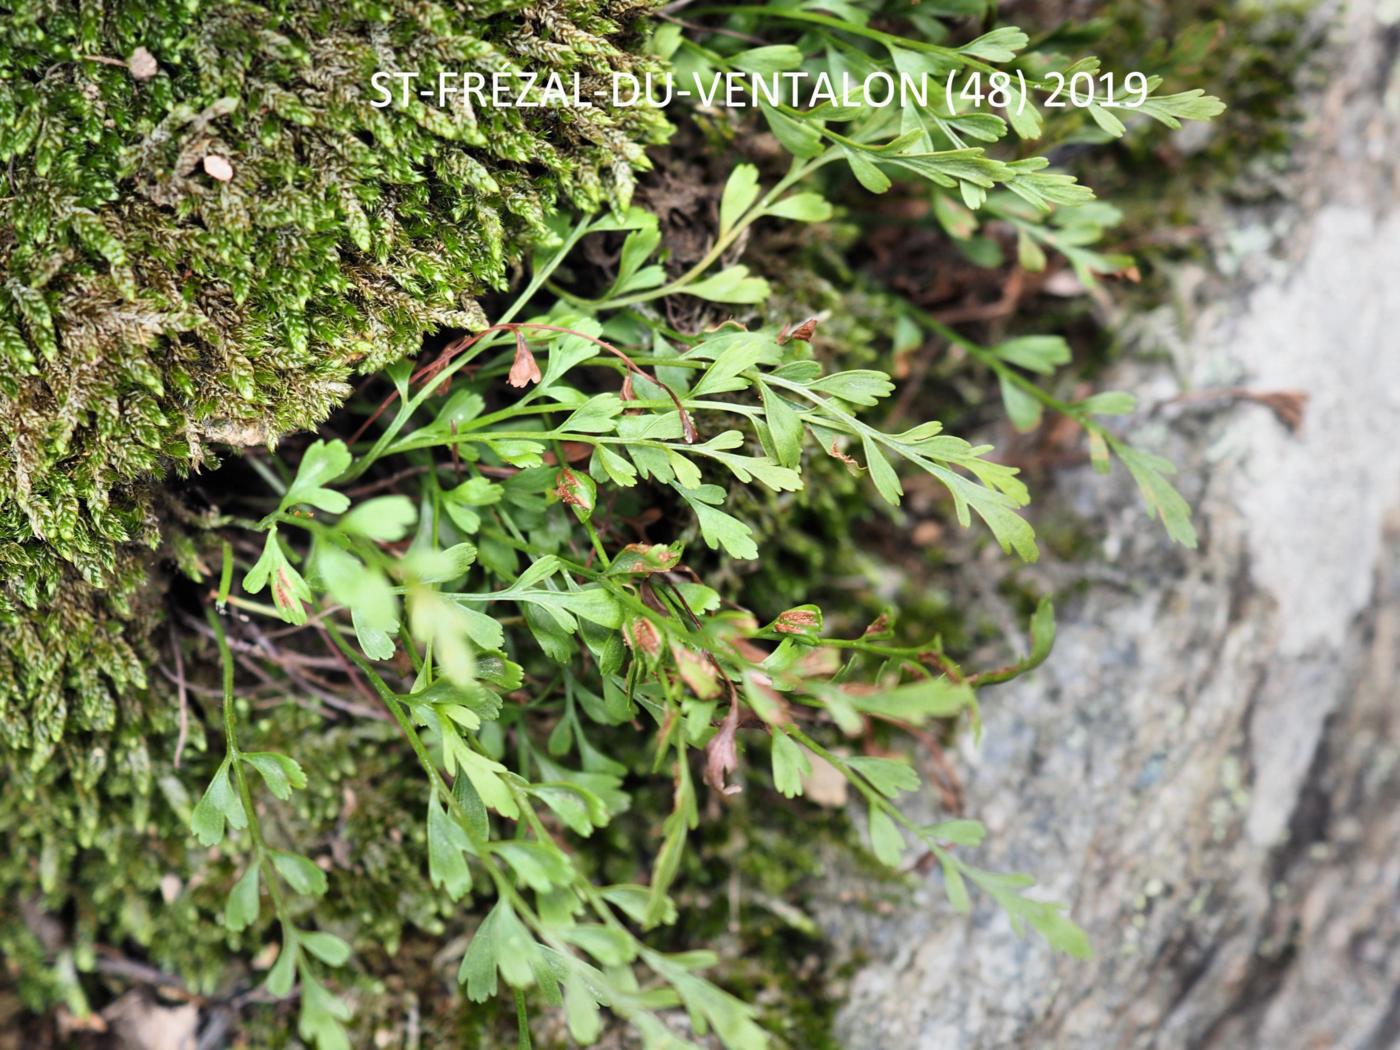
[742,891]
[151,312]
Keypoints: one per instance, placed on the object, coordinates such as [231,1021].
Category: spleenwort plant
[1026,402]
[229,802]
[635,638]
[501,602]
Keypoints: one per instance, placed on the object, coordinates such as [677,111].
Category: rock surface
[1208,767]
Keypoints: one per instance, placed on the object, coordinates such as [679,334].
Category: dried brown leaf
[802,332]
[524,370]
[825,784]
[217,167]
[142,64]
[722,753]
[696,671]
[1287,405]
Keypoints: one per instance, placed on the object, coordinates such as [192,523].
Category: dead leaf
[696,671]
[217,167]
[802,332]
[264,959]
[141,1023]
[573,452]
[767,703]
[818,662]
[1287,405]
[170,887]
[142,64]
[524,370]
[926,534]
[70,1023]
[754,654]
[1063,283]
[722,753]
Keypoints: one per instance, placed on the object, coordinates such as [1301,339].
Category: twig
[199,690]
[911,385]
[311,621]
[1002,307]
[113,963]
[181,693]
[387,483]
[947,781]
[313,684]
[350,671]
[1288,406]
[429,371]
[696,27]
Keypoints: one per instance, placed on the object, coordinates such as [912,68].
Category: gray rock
[1208,767]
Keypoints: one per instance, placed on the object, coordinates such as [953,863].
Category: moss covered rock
[207,229]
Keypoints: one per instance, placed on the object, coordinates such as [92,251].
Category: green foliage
[150,309]
[550,655]
[229,799]
[507,510]
[502,788]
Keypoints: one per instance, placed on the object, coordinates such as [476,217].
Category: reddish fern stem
[456,347]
